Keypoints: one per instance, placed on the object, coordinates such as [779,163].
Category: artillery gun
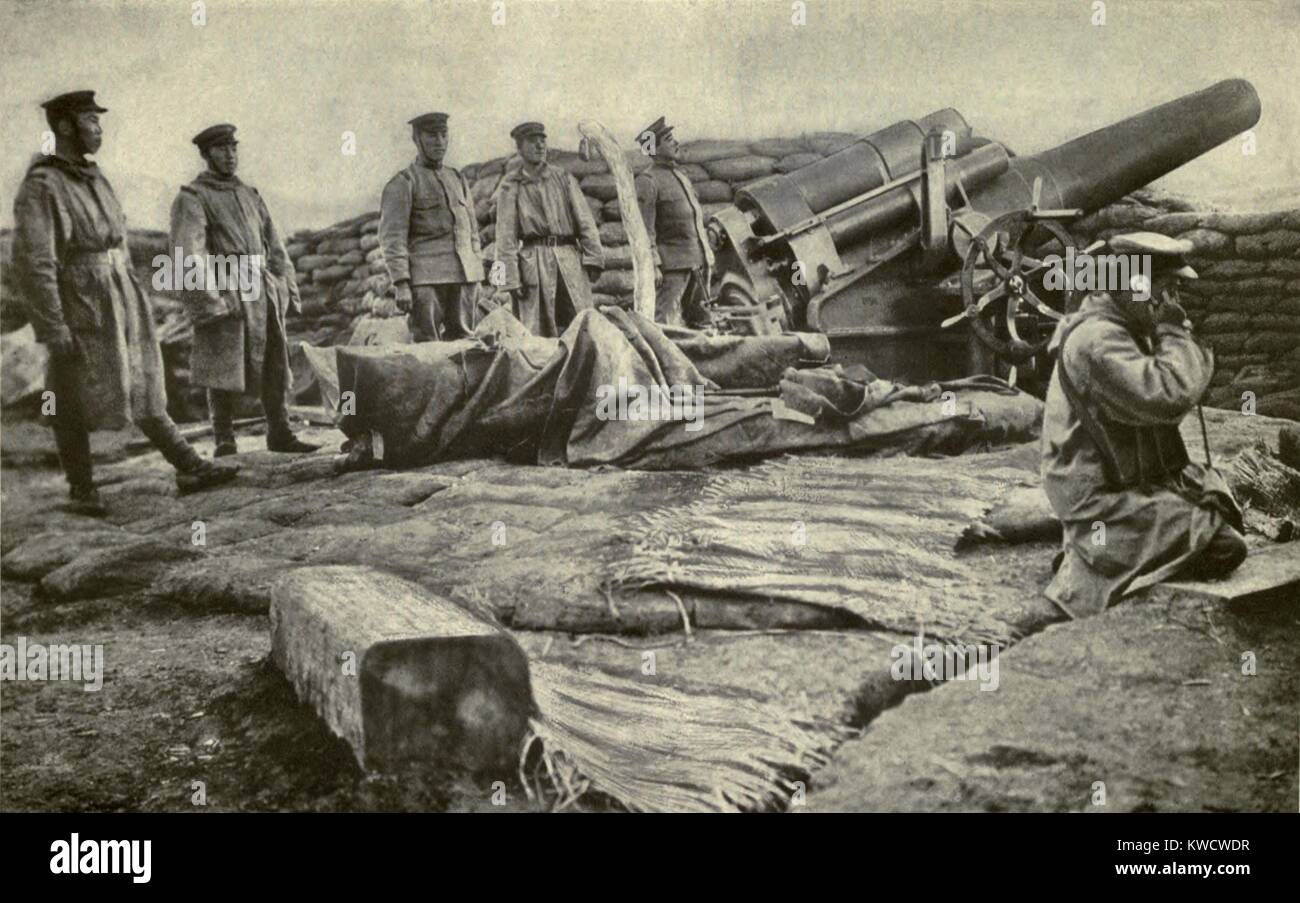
[919,249]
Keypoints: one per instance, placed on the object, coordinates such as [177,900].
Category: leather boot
[85,500]
[206,475]
[221,406]
[288,442]
[193,472]
[73,442]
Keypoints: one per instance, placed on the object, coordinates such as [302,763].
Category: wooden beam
[190,433]
[407,678]
[312,414]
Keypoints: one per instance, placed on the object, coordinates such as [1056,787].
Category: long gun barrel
[1101,167]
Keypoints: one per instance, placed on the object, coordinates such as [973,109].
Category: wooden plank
[312,414]
[1271,572]
[407,678]
[190,433]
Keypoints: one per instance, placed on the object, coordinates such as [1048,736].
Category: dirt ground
[1149,700]
[194,717]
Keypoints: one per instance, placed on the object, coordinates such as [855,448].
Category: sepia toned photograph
[650,406]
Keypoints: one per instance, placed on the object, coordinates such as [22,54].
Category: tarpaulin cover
[589,398]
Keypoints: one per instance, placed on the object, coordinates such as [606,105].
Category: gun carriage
[919,249]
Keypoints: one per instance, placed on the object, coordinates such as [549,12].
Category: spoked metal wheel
[1010,309]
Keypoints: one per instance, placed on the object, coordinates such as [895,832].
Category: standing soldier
[74,272]
[1135,510]
[240,340]
[675,221]
[548,246]
[429,233]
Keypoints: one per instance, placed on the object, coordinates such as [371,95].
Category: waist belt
[551,241]
[104,258]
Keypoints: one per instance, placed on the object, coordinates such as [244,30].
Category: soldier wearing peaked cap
[86,305]
[240,340]
[674,220]
[428,230]
[548,250]
[1128,371]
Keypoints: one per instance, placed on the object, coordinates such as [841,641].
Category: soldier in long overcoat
[548,250]
[220,226]
[74,273]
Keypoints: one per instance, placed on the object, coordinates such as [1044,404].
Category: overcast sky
[294,76]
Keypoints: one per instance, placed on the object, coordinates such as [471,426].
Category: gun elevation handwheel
[1008,306]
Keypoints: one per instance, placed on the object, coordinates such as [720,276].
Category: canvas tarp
[571,400]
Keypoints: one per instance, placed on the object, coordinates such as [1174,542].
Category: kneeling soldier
[429,233]
[675,221]
[548,247]
[240,340]
[74,270]
[1135,510]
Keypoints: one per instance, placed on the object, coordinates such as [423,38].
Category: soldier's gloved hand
[64,348]
[659,277]
[593,273]
[402,295]
[1170,312]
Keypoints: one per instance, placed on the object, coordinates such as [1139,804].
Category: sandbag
[600,186]
[796,161]
[705,150]
[616,281]
[779,147]
[612,233]
[741,169]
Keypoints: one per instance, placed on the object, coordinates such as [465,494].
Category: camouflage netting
[1247,305]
